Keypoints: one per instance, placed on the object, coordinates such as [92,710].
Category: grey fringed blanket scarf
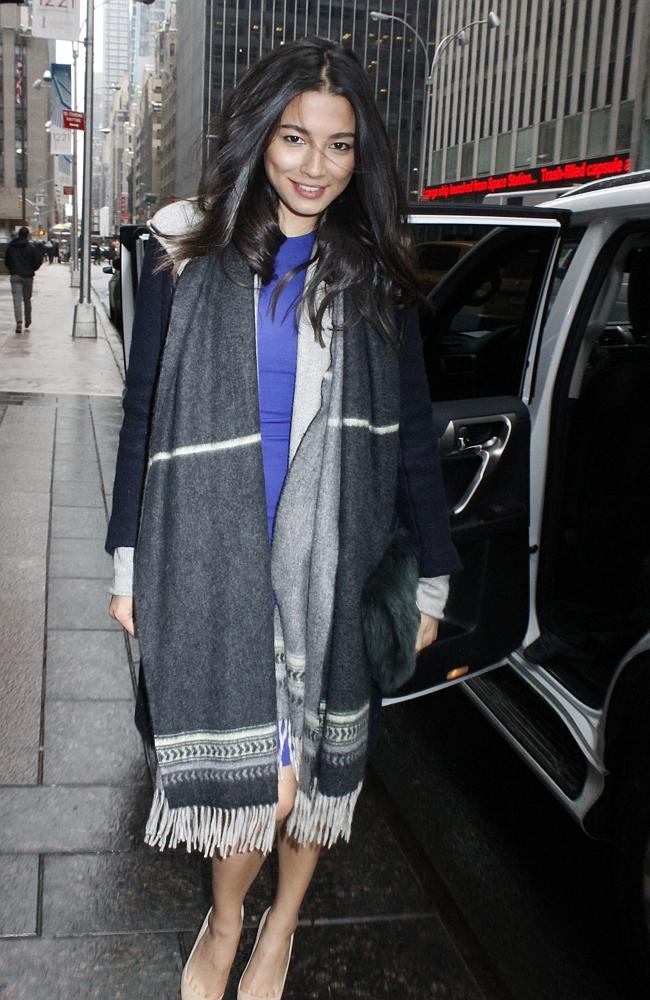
[222,665]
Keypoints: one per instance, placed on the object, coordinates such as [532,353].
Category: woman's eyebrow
[334,135]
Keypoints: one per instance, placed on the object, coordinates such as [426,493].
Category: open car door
[480,333]
[133,239]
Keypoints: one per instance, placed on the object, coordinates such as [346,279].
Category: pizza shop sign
[580,171]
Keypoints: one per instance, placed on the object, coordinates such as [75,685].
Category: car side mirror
[107,270]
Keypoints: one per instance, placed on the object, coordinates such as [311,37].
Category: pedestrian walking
[22,260]
[55,251]
[276,322]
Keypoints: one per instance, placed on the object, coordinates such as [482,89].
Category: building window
[571,137]
[624,127]
[467,160]
[504,148]
[436,167]
[452,163]
[484,156]
[598,141]
[524,147]
[546,142]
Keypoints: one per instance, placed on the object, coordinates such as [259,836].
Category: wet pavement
[86,911]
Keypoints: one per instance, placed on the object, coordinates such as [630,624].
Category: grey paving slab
[77,494]
[12,457]
[79,557]
[92,743]
[22,536]
[78,522]
[68,819]
[28,480]
[76,471]
[86,666]
[18,899]
[22,614]
[138,967]
[77,451]
[19,764]
[72,434]
[79,604]
[77,422]
[30,506]
[145,890]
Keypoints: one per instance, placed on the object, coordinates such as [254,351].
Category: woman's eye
[341,147]
[294,140]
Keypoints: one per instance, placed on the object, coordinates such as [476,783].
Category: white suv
[537,345]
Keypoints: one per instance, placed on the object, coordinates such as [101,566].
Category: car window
[481,310]
[568,246]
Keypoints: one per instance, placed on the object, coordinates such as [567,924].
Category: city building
[166,72]
[146,21]
[146,149]
[26,168]
[116,52]
[117,156]
[558,95]
[219,39]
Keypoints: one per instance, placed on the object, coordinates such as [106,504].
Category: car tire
[632,869]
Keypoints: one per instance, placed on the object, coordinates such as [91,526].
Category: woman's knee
[287,788]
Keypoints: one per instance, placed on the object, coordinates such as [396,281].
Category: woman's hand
[121,609]
[427,632]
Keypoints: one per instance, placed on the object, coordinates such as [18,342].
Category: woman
[290,411]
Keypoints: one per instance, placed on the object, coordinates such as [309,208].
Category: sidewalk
[86,910]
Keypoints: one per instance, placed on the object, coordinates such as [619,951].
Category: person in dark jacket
[22,259]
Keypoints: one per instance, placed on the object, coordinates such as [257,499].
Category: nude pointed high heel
[249,996]
[187,991]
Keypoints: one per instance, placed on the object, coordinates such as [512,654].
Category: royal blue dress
[277,349]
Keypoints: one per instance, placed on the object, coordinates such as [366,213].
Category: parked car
[537,348]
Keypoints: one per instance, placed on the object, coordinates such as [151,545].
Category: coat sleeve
[421,502]
[152,305]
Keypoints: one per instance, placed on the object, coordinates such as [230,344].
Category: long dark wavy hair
[361,247]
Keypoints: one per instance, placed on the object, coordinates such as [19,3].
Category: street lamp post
[85,320]
[74,226]
[492,20]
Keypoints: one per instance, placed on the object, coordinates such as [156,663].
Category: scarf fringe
[322,819]
[319,819]
[210,830]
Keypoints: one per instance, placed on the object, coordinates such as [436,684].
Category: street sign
[56,19]
[74,120]
[68,189]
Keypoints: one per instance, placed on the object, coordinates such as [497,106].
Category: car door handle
[455,443]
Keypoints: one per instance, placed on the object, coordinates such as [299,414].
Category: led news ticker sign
[536,177]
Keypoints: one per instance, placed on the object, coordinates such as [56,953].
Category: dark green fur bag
[390,616]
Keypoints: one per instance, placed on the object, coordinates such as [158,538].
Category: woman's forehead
[319,111]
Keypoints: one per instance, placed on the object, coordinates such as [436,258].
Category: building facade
[556,95]
[166,72]
[219,39]
[26,168]
[146,149]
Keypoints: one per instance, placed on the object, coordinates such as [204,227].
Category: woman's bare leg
[296,867]
[211,962]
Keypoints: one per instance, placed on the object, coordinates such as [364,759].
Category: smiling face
[310,158]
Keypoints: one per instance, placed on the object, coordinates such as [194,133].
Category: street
[463,880]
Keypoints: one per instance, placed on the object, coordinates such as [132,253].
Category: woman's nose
[313,164]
